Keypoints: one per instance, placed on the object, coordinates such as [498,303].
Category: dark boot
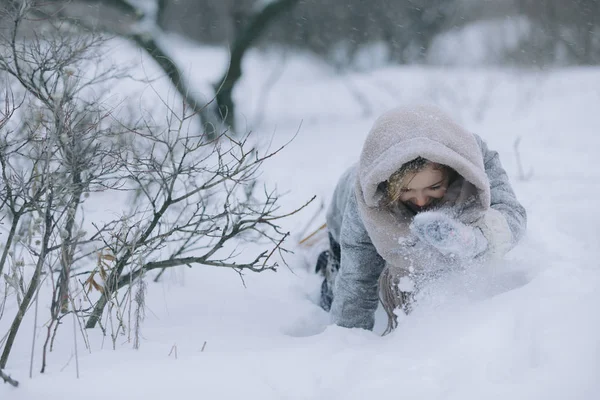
[331,271]
[329,265]
[326,296]
[322,262]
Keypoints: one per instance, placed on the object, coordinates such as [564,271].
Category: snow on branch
[8,379]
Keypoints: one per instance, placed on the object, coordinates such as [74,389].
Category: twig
[75,344]
[315,232]
[173,351]
[304,230]
[358,96]
[67,363]
[522,175]
[35,319]
[83,332]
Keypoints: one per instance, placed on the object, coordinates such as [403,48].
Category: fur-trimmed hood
[401,135]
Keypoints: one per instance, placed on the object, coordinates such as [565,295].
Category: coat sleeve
[504,224]
[355,293]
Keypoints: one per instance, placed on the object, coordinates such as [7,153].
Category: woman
[425,194]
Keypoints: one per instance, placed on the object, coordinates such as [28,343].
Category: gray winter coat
[368,234]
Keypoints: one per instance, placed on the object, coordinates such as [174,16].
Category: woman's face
[421,190]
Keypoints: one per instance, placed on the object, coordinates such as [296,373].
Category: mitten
[421,257]
[449,236]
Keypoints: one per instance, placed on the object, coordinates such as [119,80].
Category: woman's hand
[449,236]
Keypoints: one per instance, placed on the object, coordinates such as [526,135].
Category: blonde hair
[391,297]
[395,183]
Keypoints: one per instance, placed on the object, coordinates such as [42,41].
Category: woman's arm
[356,292]
[505,223]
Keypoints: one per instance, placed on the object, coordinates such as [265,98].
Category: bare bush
[181,197]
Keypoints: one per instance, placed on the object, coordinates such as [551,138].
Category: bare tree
[244,39]
[338,30]
[56,150]
[141,23]
[191,200]
[573,26]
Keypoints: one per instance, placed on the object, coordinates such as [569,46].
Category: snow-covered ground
[526,328]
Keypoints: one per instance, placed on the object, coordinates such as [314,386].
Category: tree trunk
[242,42]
